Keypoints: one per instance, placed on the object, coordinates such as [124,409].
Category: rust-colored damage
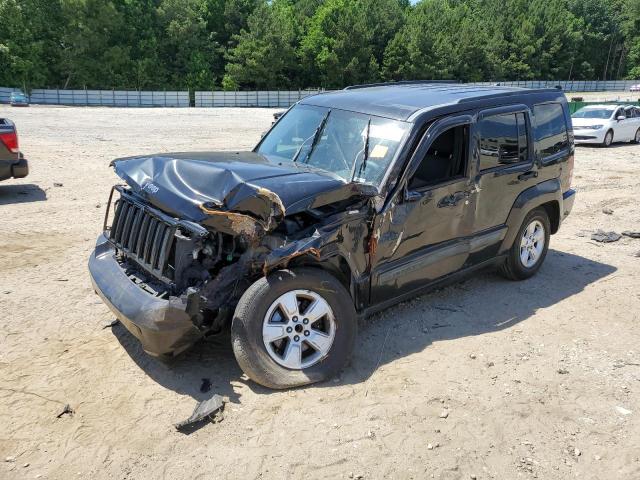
[284,261]
[277,207]
[234,223]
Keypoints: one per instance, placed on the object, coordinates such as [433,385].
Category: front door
[422,235]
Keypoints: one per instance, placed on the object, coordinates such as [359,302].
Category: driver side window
[446,159]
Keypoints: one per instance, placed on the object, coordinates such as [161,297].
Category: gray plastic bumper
[162,326]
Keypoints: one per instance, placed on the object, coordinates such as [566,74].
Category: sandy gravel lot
[540,379]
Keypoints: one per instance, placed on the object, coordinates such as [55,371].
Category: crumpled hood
[244,182]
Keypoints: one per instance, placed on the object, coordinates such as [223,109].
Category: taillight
[10,141]
[568,178]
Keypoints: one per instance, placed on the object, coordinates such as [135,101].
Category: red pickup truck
[12,162]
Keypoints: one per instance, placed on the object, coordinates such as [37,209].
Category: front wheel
[529,249]
[293,328]
[608,139]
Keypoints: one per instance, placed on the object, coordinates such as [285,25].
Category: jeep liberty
[353,200]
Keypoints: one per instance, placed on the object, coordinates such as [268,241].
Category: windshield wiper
[365,155]
[316,138]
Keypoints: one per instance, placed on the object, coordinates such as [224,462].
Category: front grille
[144,236]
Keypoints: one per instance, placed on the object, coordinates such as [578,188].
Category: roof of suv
[401,100]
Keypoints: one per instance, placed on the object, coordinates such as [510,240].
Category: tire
[608,139]
[636,139]
[261,307]
[514,268]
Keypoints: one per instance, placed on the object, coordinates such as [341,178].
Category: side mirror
[621,117]
[411,195]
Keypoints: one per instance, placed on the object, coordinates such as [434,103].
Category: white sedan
[605,124]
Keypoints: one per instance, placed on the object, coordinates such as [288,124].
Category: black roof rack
[401,82]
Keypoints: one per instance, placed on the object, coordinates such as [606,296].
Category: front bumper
[568,198]
[163,326]
[585,135]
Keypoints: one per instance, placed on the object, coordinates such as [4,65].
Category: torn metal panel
[203,410]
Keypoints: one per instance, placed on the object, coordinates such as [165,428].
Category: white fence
[110,98]
[271,98]
[104,98]
[571,85]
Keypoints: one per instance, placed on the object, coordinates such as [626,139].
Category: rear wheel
[608,139]
[530,247]
[293,328]
[636,139]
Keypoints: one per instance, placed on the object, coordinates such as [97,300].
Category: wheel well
[553,211]
[336,266]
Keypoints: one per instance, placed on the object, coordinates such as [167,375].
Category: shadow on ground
[456,311]
[26,193]
[594,146]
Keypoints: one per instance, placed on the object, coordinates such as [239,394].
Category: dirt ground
[540,379]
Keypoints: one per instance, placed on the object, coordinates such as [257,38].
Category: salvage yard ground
[484,379]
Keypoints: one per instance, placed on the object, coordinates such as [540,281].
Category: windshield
[593,113]
[353,146]
[18,96]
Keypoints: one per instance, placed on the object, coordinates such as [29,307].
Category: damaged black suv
[353,201]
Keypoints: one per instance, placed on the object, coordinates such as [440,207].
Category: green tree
[265,55]
[346,40]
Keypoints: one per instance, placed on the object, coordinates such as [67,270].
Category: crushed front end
[149,268]
[185,238]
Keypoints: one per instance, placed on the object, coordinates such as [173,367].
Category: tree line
[290,44]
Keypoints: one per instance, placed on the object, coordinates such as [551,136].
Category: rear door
[505,168]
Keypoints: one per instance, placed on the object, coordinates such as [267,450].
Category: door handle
[527,175]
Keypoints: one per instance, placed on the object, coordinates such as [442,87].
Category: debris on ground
[112,324]
[67,410]
[205,409]
[563,371]
[630,234]
[623,411]
[58,184]
[607,211]
[206,385]
[10,459]
[444,414]
[605,237]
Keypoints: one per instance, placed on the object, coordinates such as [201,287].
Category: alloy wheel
[532,244]
[298,329]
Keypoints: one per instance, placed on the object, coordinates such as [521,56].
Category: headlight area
[589,127]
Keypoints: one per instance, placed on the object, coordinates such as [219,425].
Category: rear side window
[550,131]
[503,140]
